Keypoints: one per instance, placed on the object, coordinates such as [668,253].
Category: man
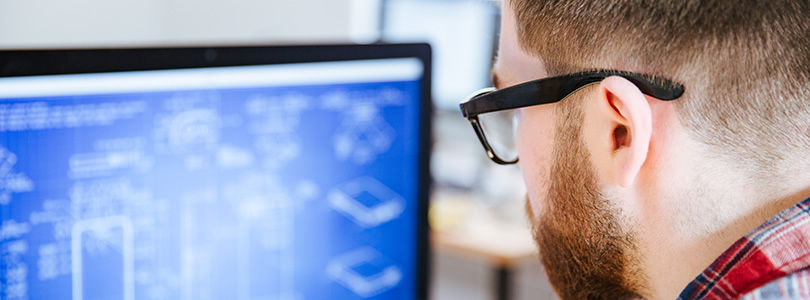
[678,165]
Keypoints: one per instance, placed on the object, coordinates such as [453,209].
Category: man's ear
[618,130]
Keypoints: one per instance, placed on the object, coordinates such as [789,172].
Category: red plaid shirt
[771,262]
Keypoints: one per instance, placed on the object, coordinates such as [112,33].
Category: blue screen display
[295,191]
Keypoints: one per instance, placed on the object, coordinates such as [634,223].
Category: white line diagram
[188,130]
[97,164]
[264,237]
[364,271]
[191,127]
[191,253]
[109,156]
[190,133]
[366,201]
[15,270]
[232,157]
[274,120]
[363,132]
[101,230]
[11,182]
[109,217]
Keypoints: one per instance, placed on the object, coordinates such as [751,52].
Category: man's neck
[680,246]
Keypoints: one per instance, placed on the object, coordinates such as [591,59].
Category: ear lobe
[627,114]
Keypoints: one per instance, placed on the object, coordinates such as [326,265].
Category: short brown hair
[745,64]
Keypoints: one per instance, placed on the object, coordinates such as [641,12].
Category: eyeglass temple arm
[538,91]
[490,153]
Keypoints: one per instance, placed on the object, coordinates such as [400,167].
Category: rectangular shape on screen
[282,181]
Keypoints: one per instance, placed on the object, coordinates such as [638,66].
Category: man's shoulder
[795,285]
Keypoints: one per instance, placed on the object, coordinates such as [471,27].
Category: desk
[502,244]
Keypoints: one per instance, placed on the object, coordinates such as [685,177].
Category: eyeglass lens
[500,129]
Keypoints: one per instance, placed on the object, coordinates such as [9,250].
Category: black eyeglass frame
[552,90]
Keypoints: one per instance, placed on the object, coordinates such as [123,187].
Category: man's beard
[586,252]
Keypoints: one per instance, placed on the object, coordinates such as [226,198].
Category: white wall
[60,23]
[461,34]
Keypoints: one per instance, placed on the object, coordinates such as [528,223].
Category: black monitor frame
[17,63]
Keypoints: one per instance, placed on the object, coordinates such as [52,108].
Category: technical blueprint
[292,192]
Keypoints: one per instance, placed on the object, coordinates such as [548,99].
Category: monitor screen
[300,180]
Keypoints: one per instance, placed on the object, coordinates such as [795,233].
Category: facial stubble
[586,250]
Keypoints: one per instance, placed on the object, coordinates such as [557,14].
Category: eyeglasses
[491,112]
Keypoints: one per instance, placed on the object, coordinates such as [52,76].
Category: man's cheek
[536,179]
[534,149]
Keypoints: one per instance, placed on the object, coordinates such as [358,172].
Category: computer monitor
[296,172]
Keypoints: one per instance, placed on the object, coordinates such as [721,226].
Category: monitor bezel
[36,62]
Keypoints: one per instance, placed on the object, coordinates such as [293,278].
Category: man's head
[622,185]
[746,64]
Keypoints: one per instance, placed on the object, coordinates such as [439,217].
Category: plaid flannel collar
[776,248]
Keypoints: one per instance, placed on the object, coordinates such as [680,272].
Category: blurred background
[481,246]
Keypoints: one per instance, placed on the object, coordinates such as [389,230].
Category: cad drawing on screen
[364,271]
[102,230]
[274,120]
[366,201]
[363,133]
[189,127]
[10,181]
[12,252]
[266,220]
